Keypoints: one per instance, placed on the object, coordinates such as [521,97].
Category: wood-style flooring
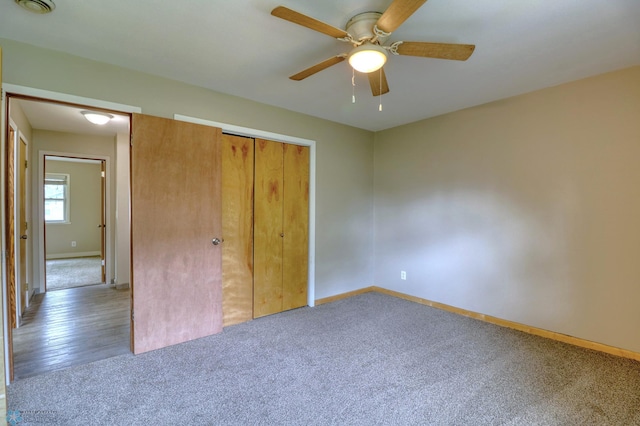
[70,327]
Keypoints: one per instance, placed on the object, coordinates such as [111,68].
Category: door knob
[217,241]
[23,237]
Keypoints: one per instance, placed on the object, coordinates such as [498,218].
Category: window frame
[66,199]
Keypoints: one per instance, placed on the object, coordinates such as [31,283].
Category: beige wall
[527,209]
[344,190]
[20,119]
[85,206]
[79,145]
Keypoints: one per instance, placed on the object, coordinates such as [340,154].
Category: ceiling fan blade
[307,21]
[378,82]
[318,67]
[398,12]
[458,52]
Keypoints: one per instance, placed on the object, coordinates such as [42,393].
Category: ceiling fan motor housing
[360,27]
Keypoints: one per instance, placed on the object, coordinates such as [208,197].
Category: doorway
[56,142]
[74,219]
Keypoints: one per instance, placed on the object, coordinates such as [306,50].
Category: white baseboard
[69,255]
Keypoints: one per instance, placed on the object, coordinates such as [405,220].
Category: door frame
[44,95]
[27,206]
[14,258]
[294,140]
[13,307]
[106,202]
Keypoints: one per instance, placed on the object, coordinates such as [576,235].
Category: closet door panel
[237,229]
[268,205]
[296,226]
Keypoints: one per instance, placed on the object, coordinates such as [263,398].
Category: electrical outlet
[73,243]
[403,275]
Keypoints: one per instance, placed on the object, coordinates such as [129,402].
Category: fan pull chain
[380,95]
[353,86]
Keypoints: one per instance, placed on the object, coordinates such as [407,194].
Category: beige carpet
[73,272]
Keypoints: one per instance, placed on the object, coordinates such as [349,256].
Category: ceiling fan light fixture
[367,57]
[98,118]
[37,6]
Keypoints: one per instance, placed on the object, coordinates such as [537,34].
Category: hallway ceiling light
[37,6]
[99,118]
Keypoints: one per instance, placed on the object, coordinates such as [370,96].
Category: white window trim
[67,200]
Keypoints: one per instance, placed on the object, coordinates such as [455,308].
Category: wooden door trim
[23,204]
[9,272]
[294,140]
[13,242]
[33,94]
[10,219]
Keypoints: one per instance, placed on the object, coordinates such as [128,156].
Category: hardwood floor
[71,327]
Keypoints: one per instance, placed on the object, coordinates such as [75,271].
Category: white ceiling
[237,47]
[63,118]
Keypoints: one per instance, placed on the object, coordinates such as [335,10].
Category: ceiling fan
[368,32]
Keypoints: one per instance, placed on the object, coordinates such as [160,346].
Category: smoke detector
[37,6]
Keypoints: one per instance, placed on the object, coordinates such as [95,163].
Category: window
[56,198]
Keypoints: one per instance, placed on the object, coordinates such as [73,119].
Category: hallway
[71,327]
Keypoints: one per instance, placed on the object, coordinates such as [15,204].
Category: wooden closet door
[295,251]
[268,232]
[175,214]
[237,229]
